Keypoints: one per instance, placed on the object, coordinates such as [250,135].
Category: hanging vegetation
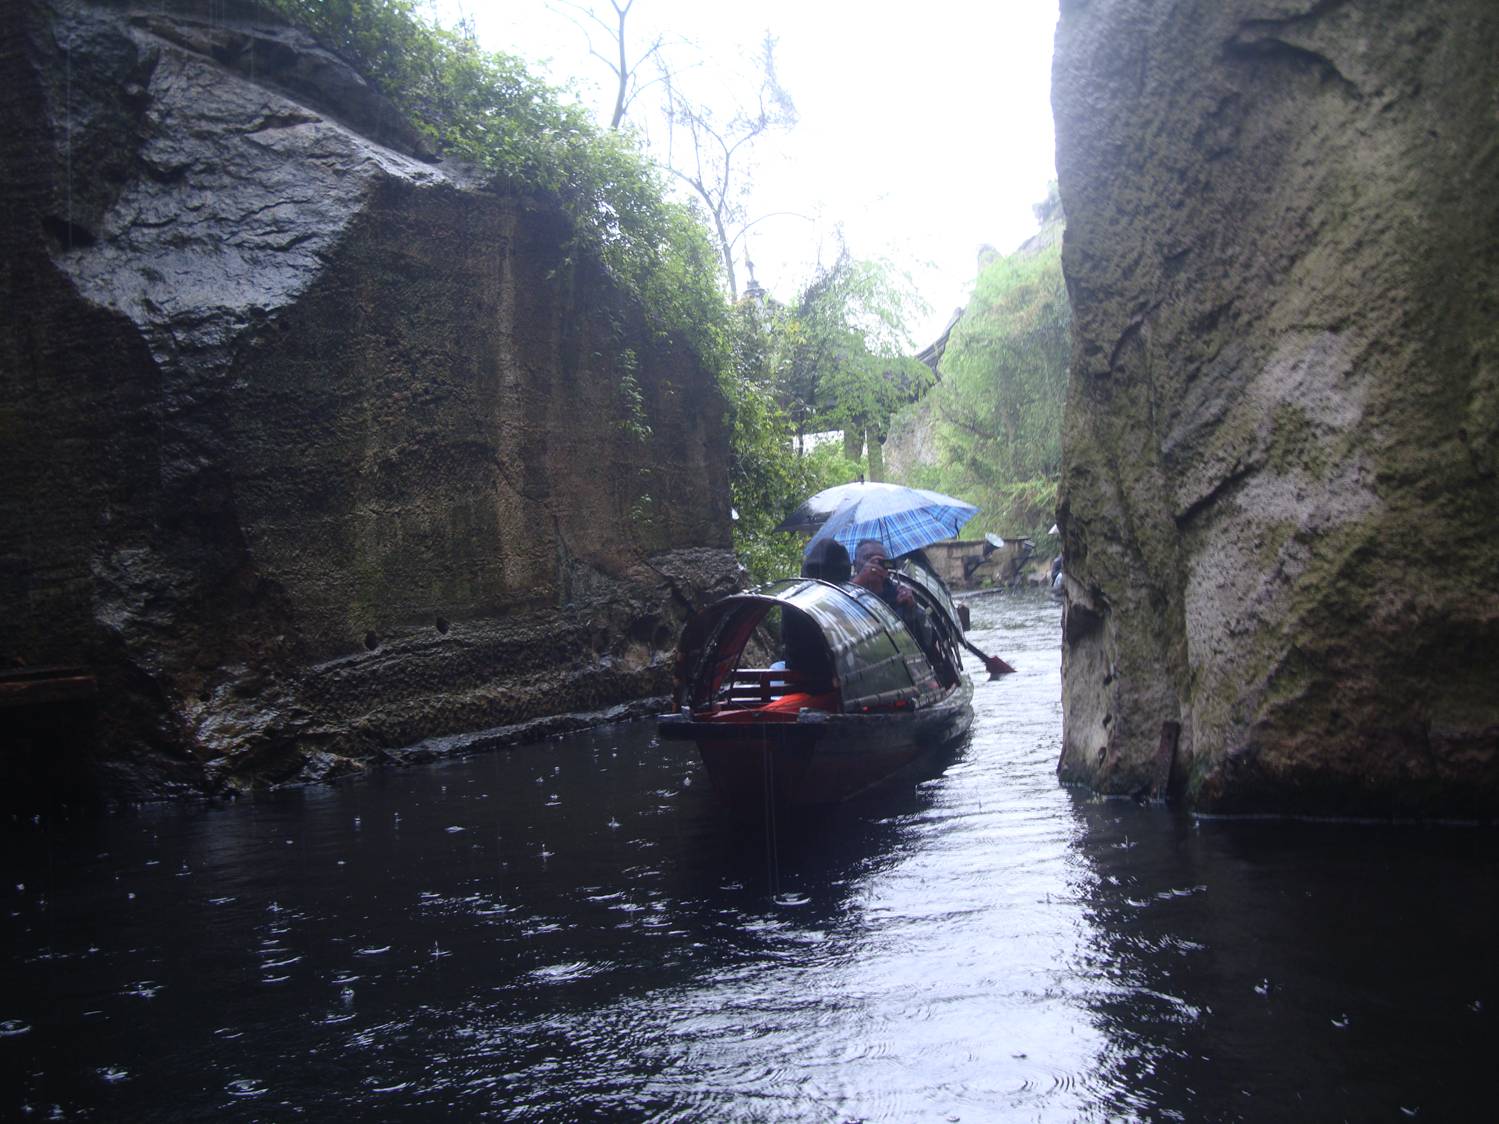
[486,108]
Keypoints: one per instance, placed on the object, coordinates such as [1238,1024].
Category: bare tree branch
[626,73]
[712,157]
[717,179]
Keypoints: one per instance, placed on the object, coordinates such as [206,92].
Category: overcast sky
[924,127]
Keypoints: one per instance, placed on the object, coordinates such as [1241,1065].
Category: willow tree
[846,354]
[1005,381]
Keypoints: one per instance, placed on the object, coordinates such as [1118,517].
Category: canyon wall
[313,450]
[1279,499]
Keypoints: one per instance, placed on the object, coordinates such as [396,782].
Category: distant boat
[808,692]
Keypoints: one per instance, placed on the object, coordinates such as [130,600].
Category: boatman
[872,571]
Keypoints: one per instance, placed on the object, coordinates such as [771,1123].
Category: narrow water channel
[574,932]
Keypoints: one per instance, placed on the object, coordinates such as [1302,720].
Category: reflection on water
[574,931]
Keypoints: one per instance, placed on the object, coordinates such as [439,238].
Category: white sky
[924,127]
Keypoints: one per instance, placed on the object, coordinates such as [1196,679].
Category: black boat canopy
[836,639]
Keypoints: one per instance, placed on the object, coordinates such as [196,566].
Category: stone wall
[311,448]
[1279,496]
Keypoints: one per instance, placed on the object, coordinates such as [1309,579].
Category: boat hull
[821,757]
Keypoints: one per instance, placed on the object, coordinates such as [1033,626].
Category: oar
[993,664]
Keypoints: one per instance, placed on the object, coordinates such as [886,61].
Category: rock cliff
[311,449]
[1279,498]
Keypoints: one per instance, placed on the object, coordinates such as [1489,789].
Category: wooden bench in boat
[756,686]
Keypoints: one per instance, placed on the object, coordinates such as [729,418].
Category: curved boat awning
[842,634]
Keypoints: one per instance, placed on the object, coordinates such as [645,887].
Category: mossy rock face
[1280,490]
[314,449]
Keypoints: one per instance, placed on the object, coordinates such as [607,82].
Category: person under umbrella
[872,572]
[827,561]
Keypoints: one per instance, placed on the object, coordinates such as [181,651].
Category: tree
[626,71]
[767,476]
[706,147]
[999,406]
[846,361]
[709,153]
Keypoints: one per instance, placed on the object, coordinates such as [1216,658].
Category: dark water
[573,931]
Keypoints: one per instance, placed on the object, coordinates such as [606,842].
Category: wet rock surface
[312,445]
[1283,253]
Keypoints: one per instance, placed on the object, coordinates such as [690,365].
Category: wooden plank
[42,686]
[1165,760]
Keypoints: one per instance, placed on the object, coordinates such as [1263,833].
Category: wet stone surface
[573,931]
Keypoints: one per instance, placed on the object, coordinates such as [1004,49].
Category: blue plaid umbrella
[902,518]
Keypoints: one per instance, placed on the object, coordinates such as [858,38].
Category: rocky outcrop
[1280,492]
[314,449]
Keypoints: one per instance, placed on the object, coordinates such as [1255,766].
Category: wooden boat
[808,692]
